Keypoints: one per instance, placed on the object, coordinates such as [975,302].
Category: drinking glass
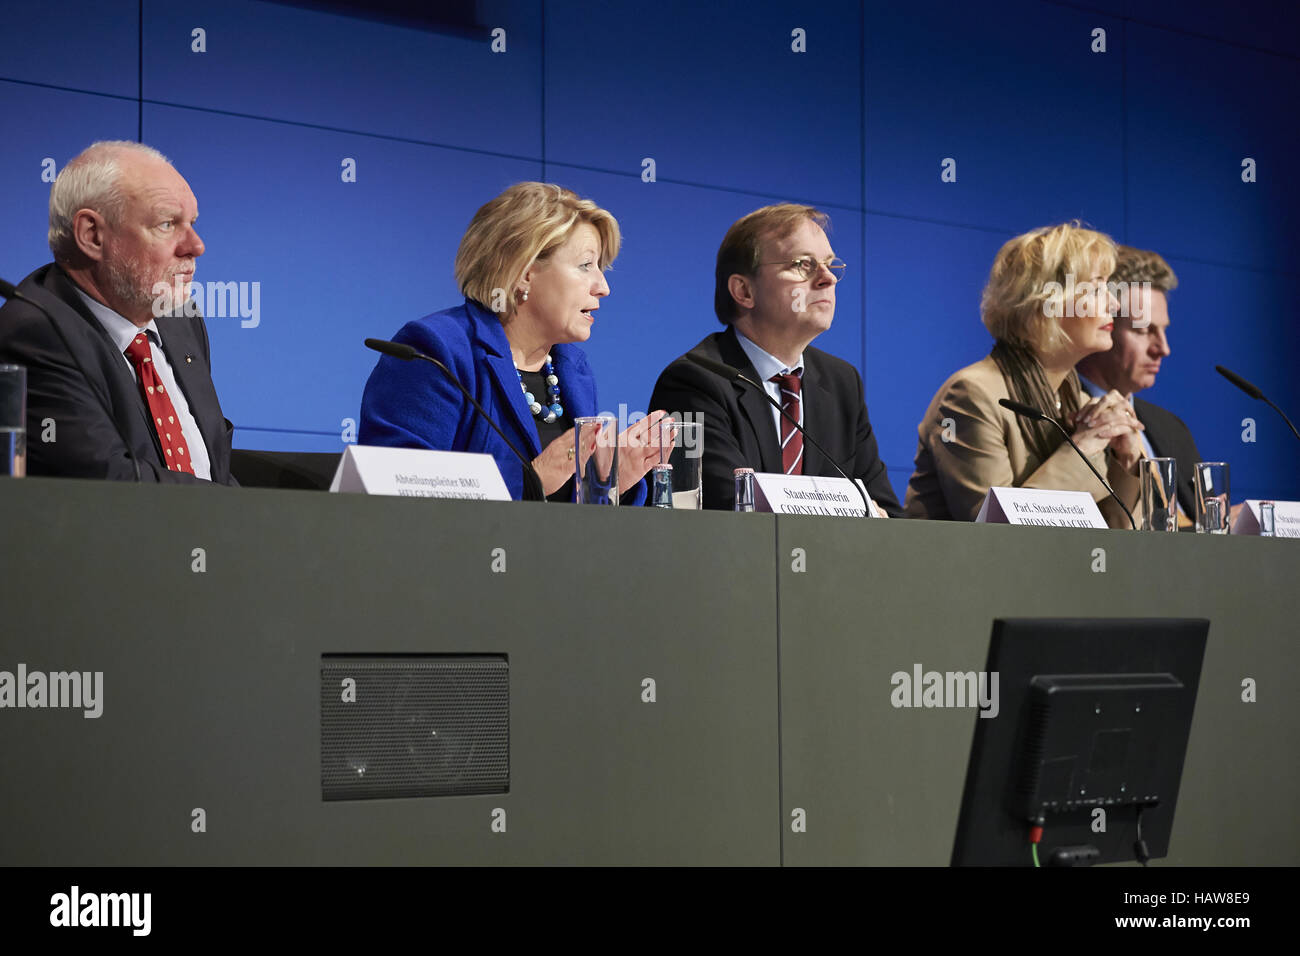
[13,421]
[595,459]
[1159,501]
[1211,481]
[681,444]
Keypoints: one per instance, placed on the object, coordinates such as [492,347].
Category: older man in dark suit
[118,373]
[1143,281]
[775,291]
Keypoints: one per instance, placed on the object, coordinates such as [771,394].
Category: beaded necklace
[554,409]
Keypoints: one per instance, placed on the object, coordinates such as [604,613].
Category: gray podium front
[883,785]
[208,610]
[211,680]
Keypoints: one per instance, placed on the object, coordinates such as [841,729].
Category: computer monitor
[1088,743]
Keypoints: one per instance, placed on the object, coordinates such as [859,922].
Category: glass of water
[595,459]
[1159,494]
[681,444]
[13,421]
[1211,480]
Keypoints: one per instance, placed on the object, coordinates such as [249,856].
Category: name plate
[1041,506]
[419,473]
[809,495]
[1286,519]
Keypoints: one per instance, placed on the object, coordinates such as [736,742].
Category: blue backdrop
[1145,141]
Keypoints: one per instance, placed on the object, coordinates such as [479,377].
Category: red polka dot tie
[791,438]
[160,405]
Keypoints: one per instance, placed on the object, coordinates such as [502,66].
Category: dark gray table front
[211,696]
[882,785]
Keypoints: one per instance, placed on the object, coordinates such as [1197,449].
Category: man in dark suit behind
[1143,281]
[118,372]
[775,291]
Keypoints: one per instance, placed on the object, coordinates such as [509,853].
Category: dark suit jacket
[76,376]
[739,431]
[1171,438]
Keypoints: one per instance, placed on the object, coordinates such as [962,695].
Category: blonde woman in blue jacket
[531,266]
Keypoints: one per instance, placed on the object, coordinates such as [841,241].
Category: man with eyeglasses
[775,291]
[1143,281]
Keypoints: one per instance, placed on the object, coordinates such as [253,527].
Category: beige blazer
[986,449]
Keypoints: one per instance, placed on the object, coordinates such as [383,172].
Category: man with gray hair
[118,372]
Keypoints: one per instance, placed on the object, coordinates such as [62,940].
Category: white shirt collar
[120,329]
[766,364]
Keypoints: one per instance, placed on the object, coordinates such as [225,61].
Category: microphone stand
[533,490]
[1030,412]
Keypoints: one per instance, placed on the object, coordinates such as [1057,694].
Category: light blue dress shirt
[767,365]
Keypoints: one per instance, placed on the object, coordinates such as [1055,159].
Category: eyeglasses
[805,267]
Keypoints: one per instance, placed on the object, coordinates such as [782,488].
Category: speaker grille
[423,726]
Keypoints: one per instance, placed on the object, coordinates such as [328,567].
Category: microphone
[1254,393]
[9,291]
[722,370]
[533,490]
[1028,411]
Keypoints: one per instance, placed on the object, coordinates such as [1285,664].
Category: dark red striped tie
[791,437]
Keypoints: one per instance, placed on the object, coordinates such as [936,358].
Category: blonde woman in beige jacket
[1047,305]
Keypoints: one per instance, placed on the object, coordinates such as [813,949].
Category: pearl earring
[525,295]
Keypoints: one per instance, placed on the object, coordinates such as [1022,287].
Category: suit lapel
[178,345]
[819,420]
[505,379]
[90,345]
[1165,446]
[577,385]
[756,408]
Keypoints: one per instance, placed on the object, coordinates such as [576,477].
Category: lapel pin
[189,360]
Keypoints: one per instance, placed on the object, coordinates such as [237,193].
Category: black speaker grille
[420,726]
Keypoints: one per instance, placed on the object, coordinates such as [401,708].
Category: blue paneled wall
[1144,141]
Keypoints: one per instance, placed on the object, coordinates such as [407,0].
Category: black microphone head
[1026,410]
[1240,382]
[717,368]
[7,290]
[394,349]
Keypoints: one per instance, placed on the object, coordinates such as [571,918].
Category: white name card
[808,495]
[1286,519]
[1041,506]
[419,473]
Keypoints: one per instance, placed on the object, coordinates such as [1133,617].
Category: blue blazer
[412,405]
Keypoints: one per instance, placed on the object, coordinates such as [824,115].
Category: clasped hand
[1109,421]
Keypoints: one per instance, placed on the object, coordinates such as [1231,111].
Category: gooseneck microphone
[1254,393]
[533,490]
[722,370]
[1028,411]
[9,291]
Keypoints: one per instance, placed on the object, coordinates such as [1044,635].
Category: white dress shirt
[121,331]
